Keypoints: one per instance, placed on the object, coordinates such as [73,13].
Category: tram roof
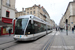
[32,16]
[25,16]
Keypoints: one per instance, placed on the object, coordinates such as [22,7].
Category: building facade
[62,23]
[53,25]
[38,11]
[73,0]
[69,15]
[7,13]
[17,14]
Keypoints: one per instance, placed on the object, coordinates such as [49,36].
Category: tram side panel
[39,29]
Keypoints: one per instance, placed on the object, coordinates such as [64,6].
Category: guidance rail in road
[48,43]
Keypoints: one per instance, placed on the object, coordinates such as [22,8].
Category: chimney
[42,6]
[22,9]
[39,5]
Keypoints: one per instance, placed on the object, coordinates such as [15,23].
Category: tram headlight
[28,32]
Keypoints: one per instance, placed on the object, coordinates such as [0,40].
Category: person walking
[56,28]
[60,29]
[72,29]
[10,31]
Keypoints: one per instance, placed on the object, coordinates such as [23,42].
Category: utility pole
[66,27]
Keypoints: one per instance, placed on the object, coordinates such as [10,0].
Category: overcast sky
[55,8]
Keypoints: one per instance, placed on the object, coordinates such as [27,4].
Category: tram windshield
[20,26]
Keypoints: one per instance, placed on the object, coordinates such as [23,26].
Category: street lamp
[66,26]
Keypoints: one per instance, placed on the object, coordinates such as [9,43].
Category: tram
[29,27]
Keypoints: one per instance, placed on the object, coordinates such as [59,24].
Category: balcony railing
[8,4]
[43,15]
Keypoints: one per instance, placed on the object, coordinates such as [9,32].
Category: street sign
[71,22]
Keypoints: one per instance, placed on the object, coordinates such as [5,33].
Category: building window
[34,12]
[27,9]
[30,8]
[8,3]
[7,13]
[34,8]
[30,12]
[27,12]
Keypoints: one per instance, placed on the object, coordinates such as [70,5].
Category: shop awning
[4,24]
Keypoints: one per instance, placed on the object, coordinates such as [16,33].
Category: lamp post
[66,27]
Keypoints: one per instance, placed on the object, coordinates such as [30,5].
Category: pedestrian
[60,29]
[56,28]
[10,31]
[72,29]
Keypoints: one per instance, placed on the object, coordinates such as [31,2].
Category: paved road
[6,38]
[58,42]
[63,41]
[33,45]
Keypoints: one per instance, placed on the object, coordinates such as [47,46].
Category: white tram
[29,27]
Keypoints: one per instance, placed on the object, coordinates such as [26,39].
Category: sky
[55,8]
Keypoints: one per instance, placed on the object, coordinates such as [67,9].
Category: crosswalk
[57,33]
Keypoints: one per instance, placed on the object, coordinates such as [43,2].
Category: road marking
[51,34]
[58,33]
[65,47]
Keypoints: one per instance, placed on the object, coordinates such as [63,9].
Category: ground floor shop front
[5,30]
[5,25]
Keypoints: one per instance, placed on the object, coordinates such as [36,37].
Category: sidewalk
[63,41]
[69,32]
[6,38]
[69,39]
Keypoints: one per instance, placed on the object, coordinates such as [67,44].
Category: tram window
[39,27]
[36,27]
[30,29]
[20,26]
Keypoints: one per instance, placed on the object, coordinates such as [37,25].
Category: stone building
[69,15]
[17,14]
[35,10]
[38,11]
[7,13]
[53,25]
[73,0]
[62,22]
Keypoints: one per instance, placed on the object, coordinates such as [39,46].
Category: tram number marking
[18,36]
